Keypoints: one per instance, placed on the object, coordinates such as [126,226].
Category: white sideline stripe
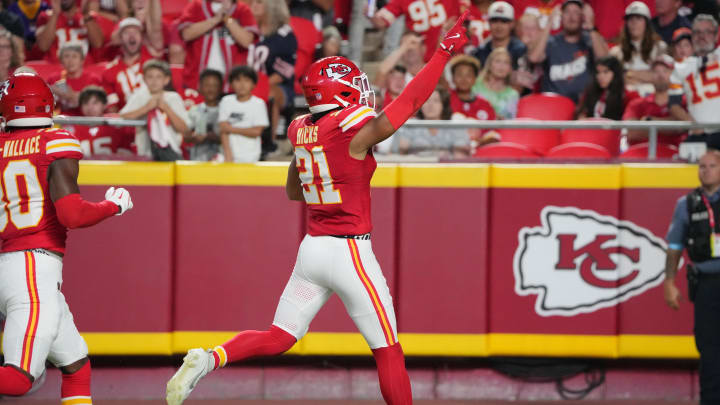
[65,149]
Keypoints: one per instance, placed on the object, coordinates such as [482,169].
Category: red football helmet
[334,82]
[26,101]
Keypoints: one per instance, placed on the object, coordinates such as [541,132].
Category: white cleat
[196,364]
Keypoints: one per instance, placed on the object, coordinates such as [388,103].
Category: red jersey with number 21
[336,186]
[27,218]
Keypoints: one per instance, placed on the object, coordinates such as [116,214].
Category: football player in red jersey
[331,173]
[38,172]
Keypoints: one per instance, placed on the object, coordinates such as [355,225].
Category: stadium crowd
[216,80]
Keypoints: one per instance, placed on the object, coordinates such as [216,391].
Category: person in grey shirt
[204,132]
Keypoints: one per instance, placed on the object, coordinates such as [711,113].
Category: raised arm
[153,25]
[46,33]
[412,98]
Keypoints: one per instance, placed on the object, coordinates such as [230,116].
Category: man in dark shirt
[568,57]
[667,19]
[502,23]
[14,25]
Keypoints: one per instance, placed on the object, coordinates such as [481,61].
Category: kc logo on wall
[579,261]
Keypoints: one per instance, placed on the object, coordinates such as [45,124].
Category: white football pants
[38,324]
[327,265]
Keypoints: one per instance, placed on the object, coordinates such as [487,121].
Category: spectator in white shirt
[242,118]
[164,111]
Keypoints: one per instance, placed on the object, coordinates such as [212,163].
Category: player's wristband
[74,212]
[417,91]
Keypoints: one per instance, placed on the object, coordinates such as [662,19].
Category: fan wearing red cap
[331,174]
[38,172]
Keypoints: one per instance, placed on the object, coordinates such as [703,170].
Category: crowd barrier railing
[651,126]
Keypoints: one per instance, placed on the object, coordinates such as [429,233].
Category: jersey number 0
[311,165]
[22,202]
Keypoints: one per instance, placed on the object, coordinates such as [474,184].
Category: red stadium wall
[529,260]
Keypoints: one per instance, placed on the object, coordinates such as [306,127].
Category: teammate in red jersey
[38,172]
[331,172]
[426,17]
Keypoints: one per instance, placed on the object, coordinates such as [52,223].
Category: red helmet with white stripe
[26,101]
[334,82]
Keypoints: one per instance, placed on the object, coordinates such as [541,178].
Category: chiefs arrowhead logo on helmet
[335,82]
[336,70]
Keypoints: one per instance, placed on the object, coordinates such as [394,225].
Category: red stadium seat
[546,106]
[44,69]
[506,150]
[640,151]
[578,150]
[308,38]
[607,138]
[540,140]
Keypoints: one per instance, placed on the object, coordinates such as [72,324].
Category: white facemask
[215,7]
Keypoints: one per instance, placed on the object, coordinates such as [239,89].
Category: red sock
[394,380]
[76,386]
[251,343]
[13,382]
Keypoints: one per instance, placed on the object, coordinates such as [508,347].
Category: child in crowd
[102,139]
[67,84]
[465,104]
[242,118]
[204,131]
[164,111]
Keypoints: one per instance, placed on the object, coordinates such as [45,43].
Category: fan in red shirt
[463,103]
[65,22]
[101,139]
[155,34]
[426,17]
[217,34]
[479,22]
[68,84]
[124,74]
[654,106]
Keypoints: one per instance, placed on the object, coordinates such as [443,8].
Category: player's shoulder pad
[59,140]
[299,119]
[354,116]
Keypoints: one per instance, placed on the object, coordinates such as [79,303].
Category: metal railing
[651,126]
[95,121]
